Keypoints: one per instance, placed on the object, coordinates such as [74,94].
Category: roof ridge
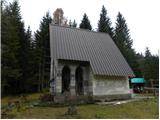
[82,29]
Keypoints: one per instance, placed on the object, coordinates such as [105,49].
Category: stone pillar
[59,80]
[85,80]
[51,89]
[73,81]
[90,81]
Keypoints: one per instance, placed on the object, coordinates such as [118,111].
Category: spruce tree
[13,49]
[29,62]
[104,24]
[154,69]
[147,65]
[70,23]
[124,43]
[42,50]
[74,24]
[151,66]
[10,46]
[121,34]
[85,23]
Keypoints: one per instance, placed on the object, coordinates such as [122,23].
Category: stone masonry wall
[72,66]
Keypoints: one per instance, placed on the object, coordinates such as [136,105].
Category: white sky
[142,16]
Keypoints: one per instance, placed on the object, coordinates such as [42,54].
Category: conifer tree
[11,71]
[124,43]
[147,66]
[151,67]
[121,34]
[85,23]
[74,24]
[104,24]
[155,67]
[14,63]
[42,51]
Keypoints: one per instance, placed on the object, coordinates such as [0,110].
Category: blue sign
[137,80]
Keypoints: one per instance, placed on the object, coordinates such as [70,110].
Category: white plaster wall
[110,86]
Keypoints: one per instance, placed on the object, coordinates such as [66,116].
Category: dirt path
[135,98]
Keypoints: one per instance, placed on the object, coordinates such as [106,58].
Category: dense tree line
[16,48]
[25,59]
[151,66]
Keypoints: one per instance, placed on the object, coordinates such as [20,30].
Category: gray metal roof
[83,45]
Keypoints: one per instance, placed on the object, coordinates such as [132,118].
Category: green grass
[138,109]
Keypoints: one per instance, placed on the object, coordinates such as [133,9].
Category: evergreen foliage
[124,43]
[151,66]
[72,24]
[14,50]
[85,23]
[42,52]
[104,24]
[121,34]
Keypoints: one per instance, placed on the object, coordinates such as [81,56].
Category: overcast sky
[142,16]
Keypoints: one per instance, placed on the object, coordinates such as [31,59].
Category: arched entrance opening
[65,79]
[79,81]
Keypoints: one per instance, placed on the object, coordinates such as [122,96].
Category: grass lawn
[138,109]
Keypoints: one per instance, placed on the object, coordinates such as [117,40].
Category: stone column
[51,89]
[90,81]
[73,81]
[59,80]
[85,80]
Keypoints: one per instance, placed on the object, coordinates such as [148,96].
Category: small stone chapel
[86,63]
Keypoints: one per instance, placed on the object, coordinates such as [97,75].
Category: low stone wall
[107,98]
[90,99]
[73,99]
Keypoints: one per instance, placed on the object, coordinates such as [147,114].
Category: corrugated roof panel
[97,48]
